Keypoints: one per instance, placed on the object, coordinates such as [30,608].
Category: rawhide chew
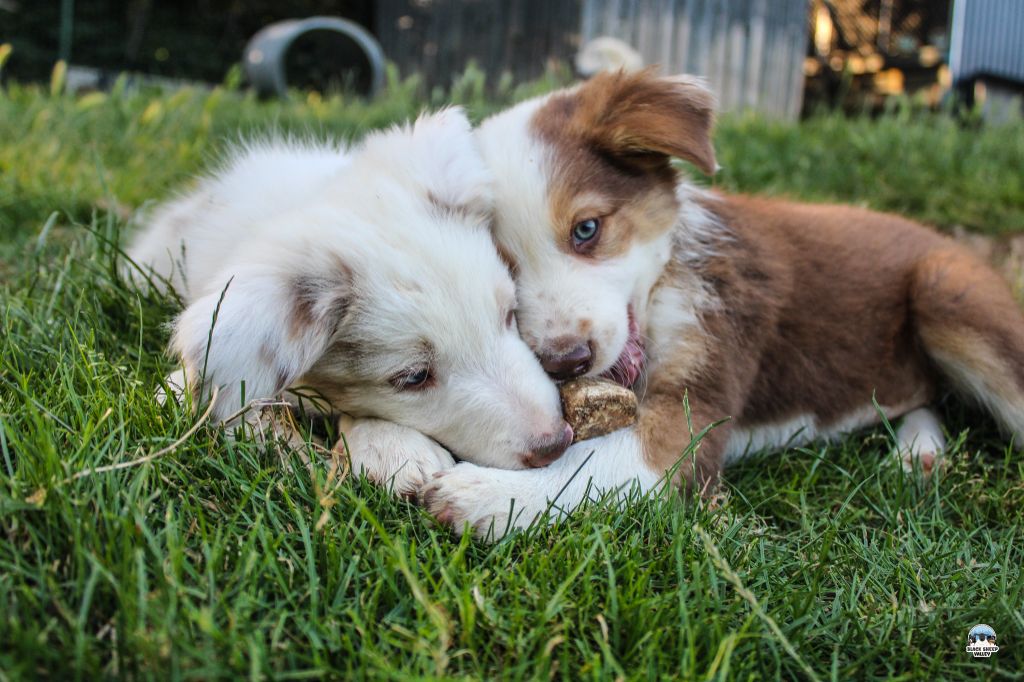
[594,407]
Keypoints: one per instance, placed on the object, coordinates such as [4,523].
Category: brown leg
[667,429]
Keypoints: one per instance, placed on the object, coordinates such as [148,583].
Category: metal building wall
[987,39]
[751,51]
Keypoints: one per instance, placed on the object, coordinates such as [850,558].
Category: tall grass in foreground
[222,559]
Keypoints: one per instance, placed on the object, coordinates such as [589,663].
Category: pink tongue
[626,369]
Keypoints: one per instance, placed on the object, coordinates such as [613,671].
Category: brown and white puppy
[783,319]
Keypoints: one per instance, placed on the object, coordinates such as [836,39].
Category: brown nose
[549,449]
[568,365]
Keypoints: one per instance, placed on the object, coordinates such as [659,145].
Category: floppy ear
[451,167]
[630,113]
[264,328]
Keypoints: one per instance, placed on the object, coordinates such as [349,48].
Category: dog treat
[594,407]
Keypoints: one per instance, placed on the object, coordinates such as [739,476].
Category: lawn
[223,559]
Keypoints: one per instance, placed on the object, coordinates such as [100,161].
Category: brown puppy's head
[586,205]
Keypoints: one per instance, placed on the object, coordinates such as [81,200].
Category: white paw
[390,455]
[492,501]
[920,442]
[176,383]
[920,459]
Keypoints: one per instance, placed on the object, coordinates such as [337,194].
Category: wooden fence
[438,38]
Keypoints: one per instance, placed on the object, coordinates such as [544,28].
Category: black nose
[568,365]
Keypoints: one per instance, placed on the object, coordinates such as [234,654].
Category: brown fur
[819,308]
[320,299]
[627,186]
[641,115]
[507,258]
[838,304]
[823,308]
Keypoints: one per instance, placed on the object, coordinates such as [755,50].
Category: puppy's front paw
[177,384]
[390,455]
[920,442]
[491,501]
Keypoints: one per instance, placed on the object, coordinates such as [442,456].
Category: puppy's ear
[451,167]
[630,113]
[263,329]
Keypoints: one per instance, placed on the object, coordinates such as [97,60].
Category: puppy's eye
[413,379]
[585,231]
[510,319]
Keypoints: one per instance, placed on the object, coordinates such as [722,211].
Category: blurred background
[785,58]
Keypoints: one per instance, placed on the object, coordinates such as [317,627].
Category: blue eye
[585,230]
[417,378]
[412,380]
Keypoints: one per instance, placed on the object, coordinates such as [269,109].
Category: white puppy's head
[385,294]
[585,208]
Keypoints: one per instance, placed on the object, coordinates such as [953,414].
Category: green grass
[221,560]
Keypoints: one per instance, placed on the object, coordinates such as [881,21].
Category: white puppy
[368,276]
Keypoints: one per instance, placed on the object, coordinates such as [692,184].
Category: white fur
[606,53]
[391,455]
[494,502]
[341,269]
[697,233]
[805,428]
[257,180]
[673,324]
[920,441]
